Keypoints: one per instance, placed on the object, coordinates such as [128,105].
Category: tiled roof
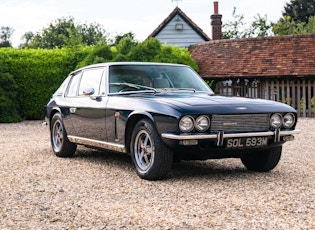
[178,11]
[278,56]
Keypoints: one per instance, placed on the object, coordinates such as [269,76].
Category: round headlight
[202,123]
[288,120]
[276,120]
[186,124]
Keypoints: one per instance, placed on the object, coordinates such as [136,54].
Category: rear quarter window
[73,86]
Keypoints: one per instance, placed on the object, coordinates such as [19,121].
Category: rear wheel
[151,157]
[262,161]
[61,146]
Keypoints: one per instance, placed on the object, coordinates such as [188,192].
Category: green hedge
[28,77]
[8,96]
[37,74]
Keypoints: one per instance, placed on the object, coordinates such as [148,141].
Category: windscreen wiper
[179,89]
[135,86]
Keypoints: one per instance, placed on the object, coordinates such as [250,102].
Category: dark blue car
[160,113]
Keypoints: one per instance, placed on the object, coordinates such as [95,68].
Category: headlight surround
[186,124]
[276,120]
[202,123]
[288,120]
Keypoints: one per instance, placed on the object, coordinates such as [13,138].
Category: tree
[27,37]
[124,45]
[92,34]
[146,51]
[298,18]
[310,26]
[299,10]
[234,29]
[288,26]
[261,27]
[120,37]
[150,50]
[64,32]
[5,35]
[98,54]
[238,29]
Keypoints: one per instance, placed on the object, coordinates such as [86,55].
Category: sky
[141,17]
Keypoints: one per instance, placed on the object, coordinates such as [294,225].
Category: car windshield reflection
[154,78]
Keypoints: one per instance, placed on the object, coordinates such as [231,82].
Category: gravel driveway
[100,190]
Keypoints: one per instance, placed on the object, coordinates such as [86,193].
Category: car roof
[105,64]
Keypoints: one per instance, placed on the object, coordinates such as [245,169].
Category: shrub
[37,74]
[8,99]
[97,54]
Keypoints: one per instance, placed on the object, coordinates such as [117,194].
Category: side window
[73,86]
[91,78]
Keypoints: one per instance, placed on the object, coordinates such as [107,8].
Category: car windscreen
[144,77]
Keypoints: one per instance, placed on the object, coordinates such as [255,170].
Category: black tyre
[151,157]
[262,161]
[61,146]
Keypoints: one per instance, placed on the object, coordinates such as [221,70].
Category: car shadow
[103,156]
[210,169]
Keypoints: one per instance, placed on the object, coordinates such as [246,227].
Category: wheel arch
[52,113]
[131,122]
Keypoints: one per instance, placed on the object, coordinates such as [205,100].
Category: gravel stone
[100,190]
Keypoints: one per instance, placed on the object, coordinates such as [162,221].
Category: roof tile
[276,56]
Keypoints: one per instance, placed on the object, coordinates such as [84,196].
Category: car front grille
[240,123]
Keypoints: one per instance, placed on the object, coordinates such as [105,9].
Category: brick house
[280,68]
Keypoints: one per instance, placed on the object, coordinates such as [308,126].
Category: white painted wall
[181,38]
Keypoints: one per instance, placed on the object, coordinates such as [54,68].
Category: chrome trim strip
[226,135]
[99,144]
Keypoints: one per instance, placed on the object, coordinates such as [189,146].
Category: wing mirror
[89,92]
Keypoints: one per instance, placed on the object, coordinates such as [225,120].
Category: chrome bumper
[221,136]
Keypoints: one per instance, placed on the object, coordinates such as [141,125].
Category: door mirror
[88,92]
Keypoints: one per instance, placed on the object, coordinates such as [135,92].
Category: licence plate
[247,142]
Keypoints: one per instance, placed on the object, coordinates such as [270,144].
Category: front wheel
[263,160]
[151,157]
[61,146]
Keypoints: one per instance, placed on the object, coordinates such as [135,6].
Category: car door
[87,110]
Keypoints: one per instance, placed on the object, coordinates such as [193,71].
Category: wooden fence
[298,93]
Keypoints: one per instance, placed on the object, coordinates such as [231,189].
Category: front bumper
[220,136]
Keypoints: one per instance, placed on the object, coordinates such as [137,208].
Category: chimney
[216,23]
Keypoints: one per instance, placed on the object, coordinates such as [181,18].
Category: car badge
[230,123]
[241,108]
